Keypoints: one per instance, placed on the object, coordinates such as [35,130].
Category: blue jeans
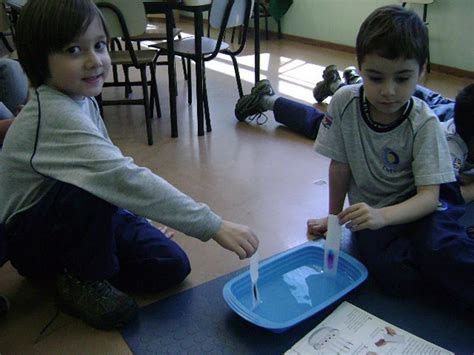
[94,240]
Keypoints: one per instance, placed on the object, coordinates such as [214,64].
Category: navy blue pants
[300,118]
[434,251]
[74,230]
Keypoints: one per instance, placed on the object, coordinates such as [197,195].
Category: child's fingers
[312,222]
[355,227]
[316,230]
[248,248]
[344,215]
[351,213]
[253,241]
[241,252]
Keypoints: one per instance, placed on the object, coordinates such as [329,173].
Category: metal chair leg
[128,87]
[154,97]
[205,100]
[5,42]
[149,131]
[190,84]
[185,72]
[237,75]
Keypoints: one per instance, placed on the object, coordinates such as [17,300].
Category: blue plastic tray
[292,287]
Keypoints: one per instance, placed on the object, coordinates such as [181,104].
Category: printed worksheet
[351,330]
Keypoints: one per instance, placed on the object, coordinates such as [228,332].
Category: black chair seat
[155,34]
[144,57]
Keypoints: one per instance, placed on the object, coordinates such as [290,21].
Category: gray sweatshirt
[68,142]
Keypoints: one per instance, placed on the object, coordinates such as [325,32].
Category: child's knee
[154,274]
[179,267]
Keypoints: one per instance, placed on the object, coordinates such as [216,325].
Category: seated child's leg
[446,252]
[68,229]
[389,255]
[301,118]
[149,260]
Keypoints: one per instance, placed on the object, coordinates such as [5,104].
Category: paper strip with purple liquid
[332,245]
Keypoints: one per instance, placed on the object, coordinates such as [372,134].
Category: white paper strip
[254,278]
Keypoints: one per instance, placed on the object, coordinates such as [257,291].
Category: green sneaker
[331,82]
[249,105]
[97,303]
[351,76]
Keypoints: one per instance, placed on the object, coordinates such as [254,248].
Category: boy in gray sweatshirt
[73,206]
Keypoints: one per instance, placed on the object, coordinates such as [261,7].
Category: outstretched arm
[361,216]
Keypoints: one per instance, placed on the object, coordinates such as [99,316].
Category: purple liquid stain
[330,259]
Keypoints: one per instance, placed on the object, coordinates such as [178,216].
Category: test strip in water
[254,279]
[332,245]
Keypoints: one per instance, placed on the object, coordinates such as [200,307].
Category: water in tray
[291,294]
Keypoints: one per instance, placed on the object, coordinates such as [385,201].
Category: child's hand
[361,216]
[317,227]
[237,238]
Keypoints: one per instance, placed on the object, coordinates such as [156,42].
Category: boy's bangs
[71,21]
[392,50]
[395,45]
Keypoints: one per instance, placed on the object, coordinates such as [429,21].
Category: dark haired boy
[74,207]
[390,157]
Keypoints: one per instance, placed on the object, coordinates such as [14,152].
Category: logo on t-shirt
[327,121]
[391,160]
[457,164]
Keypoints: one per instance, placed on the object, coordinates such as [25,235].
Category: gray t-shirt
[69,143]
[387,163]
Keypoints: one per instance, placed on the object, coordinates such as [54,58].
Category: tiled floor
[263,176]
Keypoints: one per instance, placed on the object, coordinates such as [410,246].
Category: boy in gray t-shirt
[390,156]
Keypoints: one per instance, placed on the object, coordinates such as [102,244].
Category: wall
[451,25]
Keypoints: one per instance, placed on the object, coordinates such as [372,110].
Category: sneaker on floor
[331,82]
[4,305]
[97,303]
[351,76]
[249,105]
[321,91]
